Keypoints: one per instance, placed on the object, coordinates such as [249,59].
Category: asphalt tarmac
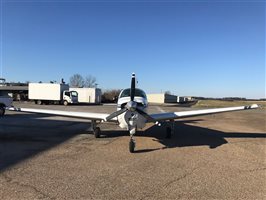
[220,156]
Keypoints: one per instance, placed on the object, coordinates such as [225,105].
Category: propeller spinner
[132,105]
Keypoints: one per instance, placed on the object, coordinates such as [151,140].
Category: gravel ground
[218,156]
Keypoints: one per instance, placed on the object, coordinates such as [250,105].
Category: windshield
[138,93]
[74,94]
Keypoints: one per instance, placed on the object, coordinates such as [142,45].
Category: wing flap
[192,113]
[83,115]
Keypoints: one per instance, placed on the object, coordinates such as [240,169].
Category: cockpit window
[138,93]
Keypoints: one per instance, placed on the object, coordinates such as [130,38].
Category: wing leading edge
[157,117]
[83,115]
[192,113]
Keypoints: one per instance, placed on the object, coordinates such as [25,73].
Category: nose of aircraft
[132,105]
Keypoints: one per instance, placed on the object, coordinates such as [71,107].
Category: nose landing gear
[132,145]
[132,142]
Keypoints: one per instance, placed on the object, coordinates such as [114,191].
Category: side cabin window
[74,94]
[138,93]
[67,94]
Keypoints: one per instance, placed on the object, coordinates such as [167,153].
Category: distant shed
[161,98]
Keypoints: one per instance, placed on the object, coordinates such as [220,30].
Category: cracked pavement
[211,157]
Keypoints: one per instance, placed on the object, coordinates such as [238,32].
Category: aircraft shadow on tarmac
[185,135]
[24,136]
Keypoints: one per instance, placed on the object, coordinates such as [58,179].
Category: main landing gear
[96,130]
[170,129]
[132,143]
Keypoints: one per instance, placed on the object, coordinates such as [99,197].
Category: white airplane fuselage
[130,118]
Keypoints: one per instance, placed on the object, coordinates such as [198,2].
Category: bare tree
[77,81]
[90,81]
[110,95]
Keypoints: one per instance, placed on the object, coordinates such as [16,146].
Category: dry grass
[220,103]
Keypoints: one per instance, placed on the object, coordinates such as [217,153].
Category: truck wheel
[39,102]
[65,103]
[2,111]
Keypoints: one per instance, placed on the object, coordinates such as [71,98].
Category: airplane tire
[97,132]
[168,132]
[131,146]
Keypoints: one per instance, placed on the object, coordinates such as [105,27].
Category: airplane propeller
[132,88]
[132,105]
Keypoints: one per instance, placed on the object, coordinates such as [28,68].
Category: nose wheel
[132,145]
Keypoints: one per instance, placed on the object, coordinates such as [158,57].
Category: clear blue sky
[201,48]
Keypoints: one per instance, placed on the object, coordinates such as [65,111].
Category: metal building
[161,98]
[18,91]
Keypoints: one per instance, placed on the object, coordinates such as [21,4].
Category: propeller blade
[115,114]
[147,116]
[133,86]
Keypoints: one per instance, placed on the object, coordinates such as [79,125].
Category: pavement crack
[179,178]
[10,180]
[257,169]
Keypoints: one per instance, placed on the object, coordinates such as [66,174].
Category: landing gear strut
[132,142]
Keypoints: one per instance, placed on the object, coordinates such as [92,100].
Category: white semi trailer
[88,95]
[52,93]
[5,102]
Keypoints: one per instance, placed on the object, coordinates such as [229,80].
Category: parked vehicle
[5,102]
[88,95]
[52,93]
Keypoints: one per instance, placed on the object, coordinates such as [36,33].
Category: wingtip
[253,106]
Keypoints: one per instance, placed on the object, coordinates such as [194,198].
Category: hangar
[18,91]
[168,98]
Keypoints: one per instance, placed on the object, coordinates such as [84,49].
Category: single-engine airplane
[132,113]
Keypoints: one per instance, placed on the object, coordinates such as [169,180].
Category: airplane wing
[192,113]
[83,115]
